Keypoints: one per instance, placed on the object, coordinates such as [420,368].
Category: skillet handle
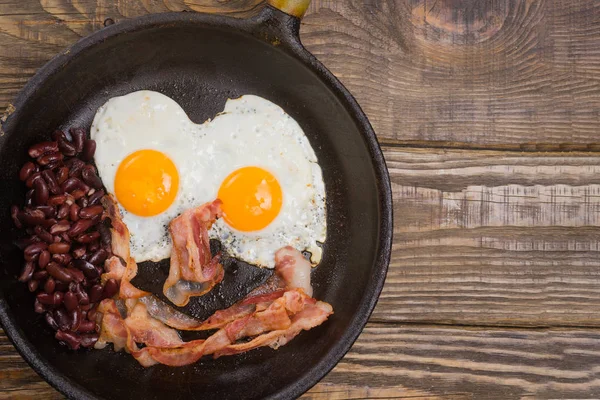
[295,8]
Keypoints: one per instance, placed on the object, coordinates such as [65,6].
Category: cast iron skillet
[201,60]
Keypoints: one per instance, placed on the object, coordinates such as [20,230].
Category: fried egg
[253,156]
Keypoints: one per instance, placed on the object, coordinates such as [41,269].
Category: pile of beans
[67,239]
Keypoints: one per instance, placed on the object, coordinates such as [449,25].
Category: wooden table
[488,113]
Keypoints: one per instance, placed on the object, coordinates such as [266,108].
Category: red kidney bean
[32,217]
[49,285]
[70,300]
[58,272]
[78,137]
[78,194]
[41,191]
[54,299]
[74,212]
[87,326]
[63,259]
[14,214]
[58,298]
[72,184]
[85,307]
[80,227]
[66,147]
[68,338]
[62,318]
[50,179]
[62,174]
[76,319]
[61,226]
[49,211]
[50,158]
[38,307]
[88,237]
[32,178]
[40,275]
[51,321]
[58,134]
[26,171]
[47,223]
[57,200]
[78,251]
[63,237]
[93,247]
[87,268]
[111,287]
[63,211]
[98,257]
[32,257]
[89,148]
[35,248]
[62,286]
[53,165]
[29,198]
[43,234]
[42,148]
[82,202]
[44,259]
[83,298]
[59,248]
[91,211]
[105,237]
[27,272]
[89,339]
[75,165]
[96,293]
[77,274]
[33,285]
[96,197]
[90,177]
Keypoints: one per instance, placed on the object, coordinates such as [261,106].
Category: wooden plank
[393,361]
[520,74]
[493,238]
[499,73]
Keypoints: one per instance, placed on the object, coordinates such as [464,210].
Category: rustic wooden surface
[488,113]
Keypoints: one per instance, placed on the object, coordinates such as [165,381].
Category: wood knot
[458,21]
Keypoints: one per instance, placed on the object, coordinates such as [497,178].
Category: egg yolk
[146,182]
[251,198]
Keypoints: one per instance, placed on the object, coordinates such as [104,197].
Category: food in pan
[161,187]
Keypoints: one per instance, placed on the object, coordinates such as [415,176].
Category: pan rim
[292,43]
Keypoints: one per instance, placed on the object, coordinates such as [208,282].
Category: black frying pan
[201,60]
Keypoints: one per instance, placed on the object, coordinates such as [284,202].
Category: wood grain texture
[493,238]
[395,361]
[512,74]
[502,246]
[496,73]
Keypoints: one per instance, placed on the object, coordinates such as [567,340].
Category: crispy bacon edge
[120,266]
[193,272]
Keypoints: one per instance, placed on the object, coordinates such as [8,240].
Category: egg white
[251,131]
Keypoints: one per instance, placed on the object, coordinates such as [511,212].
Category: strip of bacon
[294,268]
[118,230]
[193,272]
[311,316]
[120,266]
[274,318]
